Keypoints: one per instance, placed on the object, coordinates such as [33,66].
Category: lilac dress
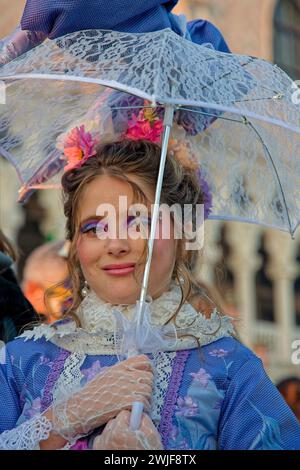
[217,398]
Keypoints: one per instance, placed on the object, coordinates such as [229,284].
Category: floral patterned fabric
[219,397]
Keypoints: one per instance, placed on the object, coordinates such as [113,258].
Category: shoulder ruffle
[59,329]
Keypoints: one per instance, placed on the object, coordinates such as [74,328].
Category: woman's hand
[104,397]
[117,435]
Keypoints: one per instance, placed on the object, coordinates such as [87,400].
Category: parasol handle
[137,407]
[136,415]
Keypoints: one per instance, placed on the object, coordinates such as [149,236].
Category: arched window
[264,288]
[287,37]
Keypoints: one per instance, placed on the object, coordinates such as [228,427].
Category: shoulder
[60,328]
[36,343]
[202,31]
[232,349]
[224,357]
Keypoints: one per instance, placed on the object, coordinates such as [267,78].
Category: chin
[120,294]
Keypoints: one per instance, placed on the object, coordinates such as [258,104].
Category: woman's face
[112,265]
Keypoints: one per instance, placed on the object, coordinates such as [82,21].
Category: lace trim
[28,435]
[163,370]
[171,396]
[102,343]
[52,378]
[59,329]
[69,379]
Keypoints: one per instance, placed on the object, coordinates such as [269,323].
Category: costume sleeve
[202,31]
[18,43]
[254,415]
[27,435]
[57,17]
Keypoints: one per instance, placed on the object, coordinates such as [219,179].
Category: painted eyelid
[90,225]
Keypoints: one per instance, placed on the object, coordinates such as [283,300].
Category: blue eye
[94,227]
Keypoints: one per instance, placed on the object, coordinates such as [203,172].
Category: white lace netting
[254,177]
[28,435]
[96,336]
[68,384]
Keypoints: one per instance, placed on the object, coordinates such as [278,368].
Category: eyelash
[94,226]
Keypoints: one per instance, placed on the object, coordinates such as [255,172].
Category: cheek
[87,251]
[164,253]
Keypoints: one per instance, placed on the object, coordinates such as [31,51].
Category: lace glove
[103,398]
[28,435]
[117,435]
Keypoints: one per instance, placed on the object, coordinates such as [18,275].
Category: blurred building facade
[257,271]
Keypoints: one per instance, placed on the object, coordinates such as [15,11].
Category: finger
[139,363]
[144,400]
[123,417]
[143,377]
[147,423]
[145,380]
[98,443]
[143,387]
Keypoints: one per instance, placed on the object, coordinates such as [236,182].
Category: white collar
[97,332]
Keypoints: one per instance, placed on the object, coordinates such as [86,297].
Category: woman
[62,384]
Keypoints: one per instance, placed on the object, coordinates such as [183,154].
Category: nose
[117,247]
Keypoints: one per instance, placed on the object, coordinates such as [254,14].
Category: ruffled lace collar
[95,314]
[98,322]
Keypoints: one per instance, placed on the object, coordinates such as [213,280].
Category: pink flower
[78,147]
[142,127]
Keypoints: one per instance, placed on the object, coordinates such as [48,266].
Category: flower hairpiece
[149,126]
[79,146]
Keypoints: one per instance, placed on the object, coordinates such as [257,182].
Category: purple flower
[218,353]
[201,376]
[207,195]
[90,373]
[186,407]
